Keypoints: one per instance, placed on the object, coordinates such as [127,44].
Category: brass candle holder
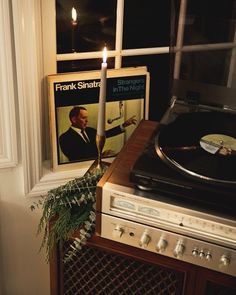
[100,142]
[98,166]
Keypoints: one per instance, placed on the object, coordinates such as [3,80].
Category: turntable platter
[201,145]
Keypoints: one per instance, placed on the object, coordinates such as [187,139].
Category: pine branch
[72,207]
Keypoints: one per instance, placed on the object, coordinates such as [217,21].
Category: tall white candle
[102,96]
[74,22]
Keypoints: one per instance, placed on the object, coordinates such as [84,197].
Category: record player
[192,156]
[179,218]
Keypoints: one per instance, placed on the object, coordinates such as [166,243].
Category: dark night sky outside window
[207,25]
[206,67]
[96,25]
[146,24]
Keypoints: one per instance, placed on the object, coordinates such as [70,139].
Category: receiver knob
[195,252]
[161,245]
[201,254]
[208,256]
[144,240]
[179,249]
[224,260]
[118,231]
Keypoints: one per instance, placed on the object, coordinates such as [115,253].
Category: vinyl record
[201,145]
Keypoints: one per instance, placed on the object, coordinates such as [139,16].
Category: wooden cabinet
[107,267]
[213,283]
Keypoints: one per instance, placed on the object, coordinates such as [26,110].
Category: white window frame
[118,53]
[27,23]
[8,142]
[34,33]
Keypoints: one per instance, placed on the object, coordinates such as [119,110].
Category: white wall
[23,270]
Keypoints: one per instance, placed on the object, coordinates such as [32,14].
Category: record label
[218,143]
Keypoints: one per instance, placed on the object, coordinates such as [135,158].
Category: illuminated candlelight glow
[74,23]
[74,16]
[102,96]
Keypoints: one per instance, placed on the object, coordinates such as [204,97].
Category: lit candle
[102,96]
[74,23]
[74,16]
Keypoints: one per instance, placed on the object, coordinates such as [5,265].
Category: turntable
[192,156]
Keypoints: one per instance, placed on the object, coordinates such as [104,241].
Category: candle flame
[105,54]
[74,15]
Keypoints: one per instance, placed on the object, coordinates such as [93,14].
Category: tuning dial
[144,240]
[118,231]
[179,249]
[161,245]
[224,260]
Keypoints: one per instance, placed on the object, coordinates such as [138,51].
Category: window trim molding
[27,23]
[8,139]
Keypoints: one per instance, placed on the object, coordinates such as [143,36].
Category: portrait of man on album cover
[77,129]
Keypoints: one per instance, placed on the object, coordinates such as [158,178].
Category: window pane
[159,68]
[207,66]
[93,26]
[146,24]
[210,21]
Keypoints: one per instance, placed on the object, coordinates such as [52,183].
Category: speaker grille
[98,272]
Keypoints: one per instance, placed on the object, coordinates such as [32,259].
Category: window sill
[50,179]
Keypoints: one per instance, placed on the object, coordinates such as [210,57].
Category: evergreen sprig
[68,208]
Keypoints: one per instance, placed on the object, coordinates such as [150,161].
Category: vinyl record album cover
[127,96]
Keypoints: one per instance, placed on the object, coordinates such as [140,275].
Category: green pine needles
[68,208]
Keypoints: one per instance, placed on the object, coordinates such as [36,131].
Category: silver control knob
[208,256]
[118,231]
[179,249]
[224,260]
[144,240]
[161,245]
[195,252]
[201,254]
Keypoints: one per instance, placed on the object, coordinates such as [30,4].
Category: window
[127,28]
[205,41]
